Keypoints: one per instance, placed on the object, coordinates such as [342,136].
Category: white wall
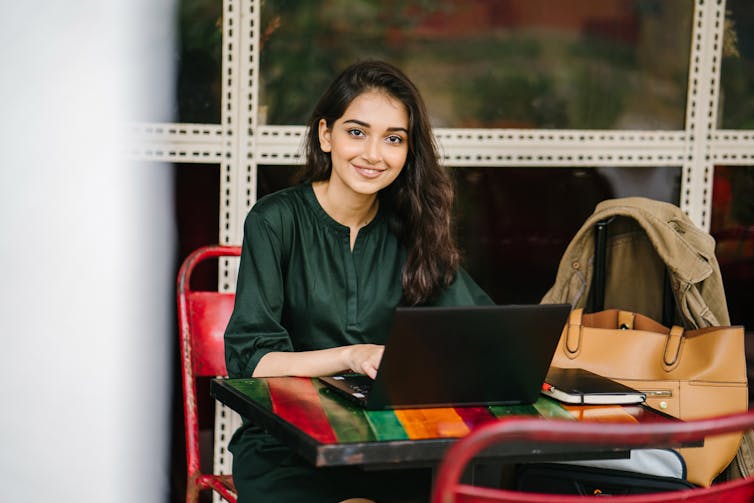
[86,254]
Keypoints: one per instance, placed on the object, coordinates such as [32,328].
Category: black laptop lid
[477,355]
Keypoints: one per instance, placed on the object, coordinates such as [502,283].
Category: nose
[372,151]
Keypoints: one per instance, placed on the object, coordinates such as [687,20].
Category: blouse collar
[325,218]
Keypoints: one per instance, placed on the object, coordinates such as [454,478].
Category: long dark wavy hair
[421,197]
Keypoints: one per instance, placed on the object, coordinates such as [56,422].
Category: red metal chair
[202,318]
[448,489]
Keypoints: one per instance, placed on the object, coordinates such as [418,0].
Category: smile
[368,172]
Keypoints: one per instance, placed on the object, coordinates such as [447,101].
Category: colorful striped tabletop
[305,412]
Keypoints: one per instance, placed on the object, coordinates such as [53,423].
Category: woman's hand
[361,358]
[364,358]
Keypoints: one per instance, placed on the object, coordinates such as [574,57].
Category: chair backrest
[448,489]
[202,318]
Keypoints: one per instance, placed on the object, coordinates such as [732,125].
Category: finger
[370,370]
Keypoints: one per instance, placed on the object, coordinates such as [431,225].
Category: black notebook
[457,356]
[579,386]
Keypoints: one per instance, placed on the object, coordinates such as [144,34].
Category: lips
[368,172]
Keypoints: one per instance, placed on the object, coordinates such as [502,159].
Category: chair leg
[192,491]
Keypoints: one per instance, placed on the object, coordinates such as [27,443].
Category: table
[328,430]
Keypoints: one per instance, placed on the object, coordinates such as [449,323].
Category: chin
[370,188]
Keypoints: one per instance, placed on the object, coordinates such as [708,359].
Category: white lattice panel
[497,147]
[701,111]
[249,106]
[198,143]
[732,147]
[226,420]
[230,119]
[283,145]
[280,145]
[560,138]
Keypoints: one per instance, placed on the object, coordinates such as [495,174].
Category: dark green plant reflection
[199,61]
[304,44]
[737,70]
[485,63]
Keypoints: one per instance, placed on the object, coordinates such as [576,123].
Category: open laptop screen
[458,356]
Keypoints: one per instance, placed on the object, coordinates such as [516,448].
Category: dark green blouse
[300,286]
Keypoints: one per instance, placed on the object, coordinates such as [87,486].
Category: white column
[86,254]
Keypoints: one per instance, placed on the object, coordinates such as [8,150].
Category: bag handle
[673,340]
[573,334]
[671,356]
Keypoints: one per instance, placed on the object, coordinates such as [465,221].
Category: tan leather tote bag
[687,374]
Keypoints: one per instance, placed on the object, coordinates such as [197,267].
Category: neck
[354,211]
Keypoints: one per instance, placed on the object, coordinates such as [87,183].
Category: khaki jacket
[646,237]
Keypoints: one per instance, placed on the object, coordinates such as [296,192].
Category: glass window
[197,209]
[598,64]
[732,226]
[273,178]
[198,60]
[737,69]
[515,223]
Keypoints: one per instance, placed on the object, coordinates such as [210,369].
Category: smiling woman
[325,263]
[420,198]
[366,157]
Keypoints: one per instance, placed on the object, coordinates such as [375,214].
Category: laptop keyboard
[357,383]
[361,387]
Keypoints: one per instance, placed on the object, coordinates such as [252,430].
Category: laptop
[460,356]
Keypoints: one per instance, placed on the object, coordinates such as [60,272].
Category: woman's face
[368,144]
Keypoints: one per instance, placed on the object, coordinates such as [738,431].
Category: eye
[356,132]
[394,139]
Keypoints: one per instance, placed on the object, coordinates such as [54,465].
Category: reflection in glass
[273,178]
[737,69]
[732,226]
[619,64]
[197,209]
[513,224]
[199,61]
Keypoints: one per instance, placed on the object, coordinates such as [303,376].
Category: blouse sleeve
[255,327]
[463,291]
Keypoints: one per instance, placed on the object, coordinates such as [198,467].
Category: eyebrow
[367,125]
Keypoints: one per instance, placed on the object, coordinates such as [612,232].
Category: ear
[324,136]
